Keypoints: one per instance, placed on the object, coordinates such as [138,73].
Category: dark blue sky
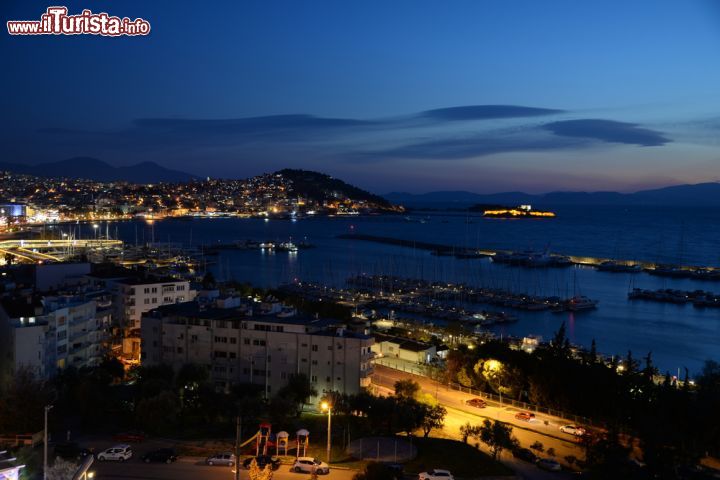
[392,95]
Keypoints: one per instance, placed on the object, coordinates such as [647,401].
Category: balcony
[368,356]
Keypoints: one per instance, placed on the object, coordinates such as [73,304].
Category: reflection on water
[678,335]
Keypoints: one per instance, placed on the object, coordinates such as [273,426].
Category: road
[543,429]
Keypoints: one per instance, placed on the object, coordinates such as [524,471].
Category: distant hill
[701,194]
[94,169]
[320,186]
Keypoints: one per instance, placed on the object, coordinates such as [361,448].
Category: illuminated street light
[325,406]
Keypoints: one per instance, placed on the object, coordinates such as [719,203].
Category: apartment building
[132,297]
[263,350]
[52,332]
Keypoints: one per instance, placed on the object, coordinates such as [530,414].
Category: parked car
[573,430]
[71,451]
[476,402]
[165,455]
[129,437]
[310,465]
[549,464]
[262,461]
[525,416]
[436,474]
[524,454]
[118,453]
[224,458]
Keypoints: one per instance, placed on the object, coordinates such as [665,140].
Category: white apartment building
[133,296]
[263,350]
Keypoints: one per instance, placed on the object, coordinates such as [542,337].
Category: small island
[522,211]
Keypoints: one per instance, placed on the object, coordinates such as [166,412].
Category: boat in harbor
[580,303]
[619,267]
[672,271]
[530,258]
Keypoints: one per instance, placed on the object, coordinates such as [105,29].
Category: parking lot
[185,468]
[190,469]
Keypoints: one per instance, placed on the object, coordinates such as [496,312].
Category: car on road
[524,454]
[224,458]
[129,437]
[71,451]
[436,474]
[310,465]
[262,461]
[164,455]
[118,453]
[548,464]
[525,416]
[476,402]
[573,430]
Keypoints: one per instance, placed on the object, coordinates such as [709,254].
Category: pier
[678,271]
[42,251]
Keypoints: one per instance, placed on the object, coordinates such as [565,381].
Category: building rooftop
[404,343]
[194,310]
[25,306]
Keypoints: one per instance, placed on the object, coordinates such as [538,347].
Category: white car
[310,465]
[225,458]
[118,453]
[573,430]
[436,474]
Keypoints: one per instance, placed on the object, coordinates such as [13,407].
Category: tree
[22,402]
[405,389]
[157,413]
[649,371]
[497,435]
[434,418]
[560,345]
[468,430]
[61,470]
[256,473]
[592,355]
[208,280]
[409,414]
[538,446]
[630,365]
[464,378]
[375,471]
[190,378]
[113,368]
[298,390]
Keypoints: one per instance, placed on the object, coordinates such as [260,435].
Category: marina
[678,334]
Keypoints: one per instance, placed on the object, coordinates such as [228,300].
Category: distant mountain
[94,169]
[701,194]
[320,186]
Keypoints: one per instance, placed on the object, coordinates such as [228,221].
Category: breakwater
[677,271]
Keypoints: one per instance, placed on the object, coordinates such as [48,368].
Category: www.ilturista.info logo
[56,21]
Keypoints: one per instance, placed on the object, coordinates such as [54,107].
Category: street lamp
[45,450]
[325,406]
[95,227]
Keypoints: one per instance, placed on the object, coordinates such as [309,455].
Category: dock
[687,271]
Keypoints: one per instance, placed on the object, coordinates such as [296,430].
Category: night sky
[413,95]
